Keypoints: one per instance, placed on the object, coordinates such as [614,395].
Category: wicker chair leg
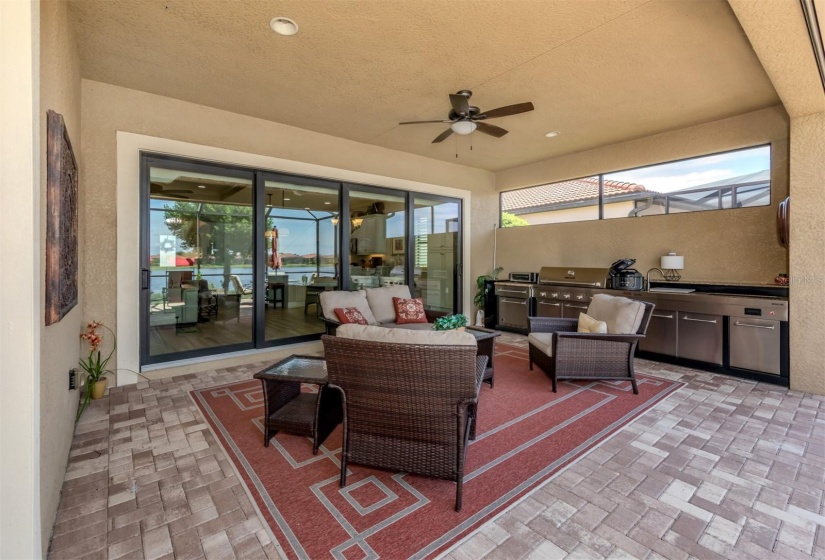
[343,470]
[553,379]
[530,360]
[635,387]
[458,488]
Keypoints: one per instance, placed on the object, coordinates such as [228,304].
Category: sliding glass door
[198,247]
[302,254]
[437,252]
[234,258]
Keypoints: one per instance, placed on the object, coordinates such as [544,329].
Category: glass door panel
[378,247]
[302,260]
[436,229]
[198,263]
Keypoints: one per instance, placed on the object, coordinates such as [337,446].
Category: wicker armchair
[407,407]
[568,354]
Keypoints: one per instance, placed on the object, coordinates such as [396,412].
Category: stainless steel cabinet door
[548,309]
[662,333]
[755,344]
[572,310]
[700,337]
[512,312]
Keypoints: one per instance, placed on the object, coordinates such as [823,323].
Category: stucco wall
[20,273]
[738,245]
[807,248]
[59,343]
[109,109]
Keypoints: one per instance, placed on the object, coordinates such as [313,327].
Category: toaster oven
[526,277]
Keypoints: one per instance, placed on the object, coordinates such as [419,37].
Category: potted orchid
[95,365]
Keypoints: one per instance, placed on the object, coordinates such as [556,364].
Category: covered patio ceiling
[600,71]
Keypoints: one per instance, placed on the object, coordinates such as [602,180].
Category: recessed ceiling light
[201,187]
[283,26]
[552,134]
[306,208]
[327,203]
[287,199]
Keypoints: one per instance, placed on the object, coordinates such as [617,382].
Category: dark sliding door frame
[258,178]
[149,160]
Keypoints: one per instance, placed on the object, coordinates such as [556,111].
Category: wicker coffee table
[288,409]
[486,339]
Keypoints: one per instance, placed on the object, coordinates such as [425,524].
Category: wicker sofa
[411,405]
[563,353]
[375,304]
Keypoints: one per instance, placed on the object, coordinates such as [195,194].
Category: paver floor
[723,468]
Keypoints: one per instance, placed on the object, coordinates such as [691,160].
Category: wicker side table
[287,409]
[486,339]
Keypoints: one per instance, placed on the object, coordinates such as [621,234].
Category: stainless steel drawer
[662,333]
[700,337]
[510,291]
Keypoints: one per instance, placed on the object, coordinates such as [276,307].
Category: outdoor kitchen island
[740,330]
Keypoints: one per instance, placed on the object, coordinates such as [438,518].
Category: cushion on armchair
[406,336]
[622,315]
[380,301]
[542,340]
[588,324]
[330,301]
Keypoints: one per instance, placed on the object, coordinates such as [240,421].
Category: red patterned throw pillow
[409,310]
[349,315]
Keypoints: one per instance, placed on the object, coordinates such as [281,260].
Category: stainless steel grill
[566,292]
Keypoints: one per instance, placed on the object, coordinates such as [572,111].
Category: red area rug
[526,434]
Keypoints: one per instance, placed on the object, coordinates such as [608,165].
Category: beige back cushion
[380,300]
[406,336]
[622,315]
[330,301]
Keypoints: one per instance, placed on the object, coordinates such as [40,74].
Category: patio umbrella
[274,259]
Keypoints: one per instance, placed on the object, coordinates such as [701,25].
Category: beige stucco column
[807,253]
[20,530]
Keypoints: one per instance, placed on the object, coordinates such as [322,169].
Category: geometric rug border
[466,529]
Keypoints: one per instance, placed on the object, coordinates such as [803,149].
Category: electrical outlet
[72,379]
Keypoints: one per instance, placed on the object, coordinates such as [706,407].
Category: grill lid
[591,277]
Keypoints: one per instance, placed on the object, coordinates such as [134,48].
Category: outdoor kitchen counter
[708,302]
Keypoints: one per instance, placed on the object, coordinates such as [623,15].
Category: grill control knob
[566,296]
[579,296]
[554,295]
[543,294]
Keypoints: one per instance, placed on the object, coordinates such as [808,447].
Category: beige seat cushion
[622,315]
[409,326]
[330,301]
[380,300]
[406,336]
[542,340]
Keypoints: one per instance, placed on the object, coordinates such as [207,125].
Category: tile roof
[576,190]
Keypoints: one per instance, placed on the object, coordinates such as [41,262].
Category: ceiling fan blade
[491,129]
[506,111]
[443,136]
[423,122]
[460,103]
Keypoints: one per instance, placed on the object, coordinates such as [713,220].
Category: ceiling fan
[157,189]
[465,118]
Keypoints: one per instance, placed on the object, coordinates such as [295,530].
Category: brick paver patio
[723,468]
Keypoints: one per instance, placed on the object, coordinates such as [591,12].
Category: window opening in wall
[729,180]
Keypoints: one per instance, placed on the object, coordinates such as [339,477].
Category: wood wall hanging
[61,221]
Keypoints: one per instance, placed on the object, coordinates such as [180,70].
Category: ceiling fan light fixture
[463,127]
[552,134]
[283,26]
